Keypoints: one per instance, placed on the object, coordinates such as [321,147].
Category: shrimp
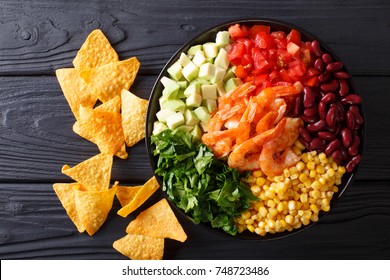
[277,153]
[246,155]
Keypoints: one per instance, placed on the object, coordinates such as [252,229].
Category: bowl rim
[280,24]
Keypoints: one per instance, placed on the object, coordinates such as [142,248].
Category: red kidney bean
[350,120]
[319,65]
[335,130]
[324,77]
[337,156]
[332,146]
[334,66]
[309,97]
[315,46]
[316,126]
[355,111]
[317,144]
[322,110]
[326,135]
[343,87]
[341,75]
[296,111]
[341,111]
[310,112]
[351,99]
[352,163]
[327,58]
[353,150]
[344,153]
[346,137]
[305,135]
[331,116]
[333,85]
[328,98]
[309,119]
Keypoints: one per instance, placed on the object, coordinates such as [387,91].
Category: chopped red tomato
[294,36]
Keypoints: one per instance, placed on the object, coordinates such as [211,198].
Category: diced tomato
[294,36]
[311,72]
[312,82]
[240,72]
[236,52]
[293,48]
[248,43]
[255,29]
[278,35]
[236,32]
[283,58]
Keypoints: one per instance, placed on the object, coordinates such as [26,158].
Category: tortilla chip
[93,207]
[75,90]
[140,197]
[113,105]
[66,194]
[107,81]
[105,129]
[126,194]
[93,173]
[158,221]
[140,247]
[133,117]
[96,51]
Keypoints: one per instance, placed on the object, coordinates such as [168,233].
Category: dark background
[36,137]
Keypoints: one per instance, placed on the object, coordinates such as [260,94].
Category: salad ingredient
[295,197]
[206,188]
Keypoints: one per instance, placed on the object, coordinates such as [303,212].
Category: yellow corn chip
[107,81]
[105,128]
[133,117]
[75,90]
[93,173]
[158,221]
[126,194]
[140,247]
[96,51]
[93,207]
[113,105]
[66,194]
[140,197]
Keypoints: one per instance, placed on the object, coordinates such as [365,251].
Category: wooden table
[36,137]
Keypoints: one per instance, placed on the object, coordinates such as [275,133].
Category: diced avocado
[190,71]
[222,39]
[210,104]
[221,89]
[197,132]
[175,71]
[194,100]
[202,114]
[193,88]
[218,75]
[210,60]
[182,84]
[203,81]
[170,87]
[173,104]
[207,71]
[163,114]
[190,117]
[230,73]
[209,92]
[185,128]
[162,99]
[210,49]
[175,120]
[158,127]
[222,59]
[180,94]
[232,83]
[184,60]
[192,51]
[203,126]
[199,58]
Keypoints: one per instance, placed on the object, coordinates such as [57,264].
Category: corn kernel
[300,165]
[289,219]
[311,165]
[303,197]
[251,228]
[249,221]
[255,190]
[314,208]
[260,181]
[257,173]
[325,208]
[316,185]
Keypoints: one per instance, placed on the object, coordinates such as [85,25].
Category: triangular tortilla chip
[93,207]
[75,90]
[113,105]
[95,51]
[105,128]
[140,247]
[107,81]
[140,197]
[93,173]
[66,194]
[126,194]
[133,117]
[158,221]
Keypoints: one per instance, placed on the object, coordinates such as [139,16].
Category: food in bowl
[256,130]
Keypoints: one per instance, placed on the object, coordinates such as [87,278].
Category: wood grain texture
[41,36]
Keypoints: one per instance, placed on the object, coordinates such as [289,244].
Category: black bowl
[209,36]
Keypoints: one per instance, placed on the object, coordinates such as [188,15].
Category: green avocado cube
[158,127]
[222,39]
[192,51]
[202,114]
[194,100]
[207,71]
[184,60]
[219,74]
[230,73]
[190,71]
[163,114]
[190,117]
[185,128]
[210,49]
[232,83]
[174,104]
[175,71]
[209,92]
[222,59]
[193,88]
[182,84]
[199,58]
[210,104]
[170,87]
[197,132]
[221,89]
[175,120]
